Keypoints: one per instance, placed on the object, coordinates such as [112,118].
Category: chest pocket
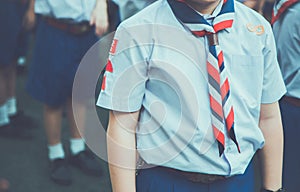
[246,73]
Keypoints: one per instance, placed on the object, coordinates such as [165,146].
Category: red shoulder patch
[109,66]
[103,83]
[114,46]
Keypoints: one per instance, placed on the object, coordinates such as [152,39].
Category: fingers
[101,28]
[100,31]
[92,20]
[100,20]
[101,25]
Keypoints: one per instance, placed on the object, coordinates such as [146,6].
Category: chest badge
[257,29]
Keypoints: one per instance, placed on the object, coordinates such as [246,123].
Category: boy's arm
[121,149]
[271,155]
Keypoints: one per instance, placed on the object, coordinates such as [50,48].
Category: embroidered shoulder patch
[113,46]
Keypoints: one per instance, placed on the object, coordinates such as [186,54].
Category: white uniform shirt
[158,67]
[77,10]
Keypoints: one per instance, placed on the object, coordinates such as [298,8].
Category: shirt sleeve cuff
[131,104]
[273,96]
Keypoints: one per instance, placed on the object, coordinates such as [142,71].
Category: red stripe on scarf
[223,25]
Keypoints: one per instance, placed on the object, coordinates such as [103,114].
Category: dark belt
[191,176]
[292,100]
[72,28]
[196,177]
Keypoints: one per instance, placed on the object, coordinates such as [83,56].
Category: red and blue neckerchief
[222,112]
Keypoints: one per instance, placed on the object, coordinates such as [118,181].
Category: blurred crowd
[59,33]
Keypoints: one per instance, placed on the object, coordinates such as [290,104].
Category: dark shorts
[160,180]
[291,163]
[57,55]
[114,16]
[11,18]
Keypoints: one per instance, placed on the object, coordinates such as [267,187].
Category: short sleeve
[123,84]
[273,84]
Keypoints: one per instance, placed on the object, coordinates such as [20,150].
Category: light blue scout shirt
[287,37]
[158,67]
[76,10]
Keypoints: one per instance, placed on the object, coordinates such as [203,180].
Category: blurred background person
[257,5]
[65,30]
[14,17]
[286,27]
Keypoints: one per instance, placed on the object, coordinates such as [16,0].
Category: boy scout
[286,30]
[193,88]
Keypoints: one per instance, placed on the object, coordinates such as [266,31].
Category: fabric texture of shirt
[77,10]
[158,67]
[287,36]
